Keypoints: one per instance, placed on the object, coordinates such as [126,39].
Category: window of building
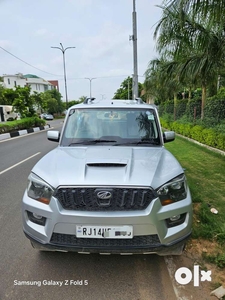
[8,80]
[15,83]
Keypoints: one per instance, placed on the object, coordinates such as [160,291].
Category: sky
[99,29]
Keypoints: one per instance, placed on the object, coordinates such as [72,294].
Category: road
[29,274]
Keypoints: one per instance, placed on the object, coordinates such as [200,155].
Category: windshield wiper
[89,142]
[140,142]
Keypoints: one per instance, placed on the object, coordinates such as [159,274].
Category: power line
[28,63]
[58,74]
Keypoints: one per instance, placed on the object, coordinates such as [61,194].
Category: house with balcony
[36,83]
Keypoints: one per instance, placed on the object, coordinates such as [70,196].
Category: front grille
[136,241]
[121,199]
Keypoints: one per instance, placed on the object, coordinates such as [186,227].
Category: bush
[214,109]
[193,109]
[209,136]
[180,108]
[197,133]
[25,123]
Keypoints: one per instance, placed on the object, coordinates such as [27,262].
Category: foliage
[54,103]
[215,109]
[25,123]
[39,101]
[125,90]
[218,259]
[75,102]
[23,103]
[191,50]
[2,99]
[180,108]
[214,137]
[8,96]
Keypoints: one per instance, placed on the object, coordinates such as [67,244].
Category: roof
[30,76]
[116,103]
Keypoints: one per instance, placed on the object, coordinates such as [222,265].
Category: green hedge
[208,136]
[215,109]
[25,123]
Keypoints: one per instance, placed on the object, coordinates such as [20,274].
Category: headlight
[173,191]
[38,189]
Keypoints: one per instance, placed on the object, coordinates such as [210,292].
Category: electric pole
[134,38]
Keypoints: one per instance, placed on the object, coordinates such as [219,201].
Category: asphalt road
[85,277]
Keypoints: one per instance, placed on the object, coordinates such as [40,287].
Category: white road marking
[22,161]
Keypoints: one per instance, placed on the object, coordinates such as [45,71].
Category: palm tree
[197,46]
[204,9]
[161,81]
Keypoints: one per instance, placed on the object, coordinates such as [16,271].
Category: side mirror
[168,136]
[53,136]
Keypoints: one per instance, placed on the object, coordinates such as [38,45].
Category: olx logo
[184,275]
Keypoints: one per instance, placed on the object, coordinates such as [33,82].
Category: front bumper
[150,231]
[151,246]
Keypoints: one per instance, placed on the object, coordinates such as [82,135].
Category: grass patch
[205,171]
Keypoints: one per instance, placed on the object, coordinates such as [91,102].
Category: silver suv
[110,186]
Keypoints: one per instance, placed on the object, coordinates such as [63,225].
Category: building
[36,83]
[55,83]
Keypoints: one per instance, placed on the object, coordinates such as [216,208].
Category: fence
[185,118]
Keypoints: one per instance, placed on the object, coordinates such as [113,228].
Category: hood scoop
[107,165]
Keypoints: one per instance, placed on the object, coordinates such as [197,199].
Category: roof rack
[88,100]
[139,100]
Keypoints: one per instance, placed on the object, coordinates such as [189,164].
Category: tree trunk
[189,93]
[203,100]
[175,104]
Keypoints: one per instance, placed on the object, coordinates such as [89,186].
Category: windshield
[111,126]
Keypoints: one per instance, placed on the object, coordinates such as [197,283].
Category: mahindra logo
[104,195]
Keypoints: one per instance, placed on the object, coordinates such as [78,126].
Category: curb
[8,135]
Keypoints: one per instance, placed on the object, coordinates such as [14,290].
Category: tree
[39,101]
[9,95]
[55,94]
[125,90]
[51,102]
[161,80]
[196,45]
[23,103]
[2,97]
[51,105]
[205,9]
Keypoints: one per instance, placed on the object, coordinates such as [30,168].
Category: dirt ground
[193,256]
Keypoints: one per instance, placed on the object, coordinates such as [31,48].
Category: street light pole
[63,50]
[90,79]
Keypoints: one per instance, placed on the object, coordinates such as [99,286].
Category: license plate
[101,232]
